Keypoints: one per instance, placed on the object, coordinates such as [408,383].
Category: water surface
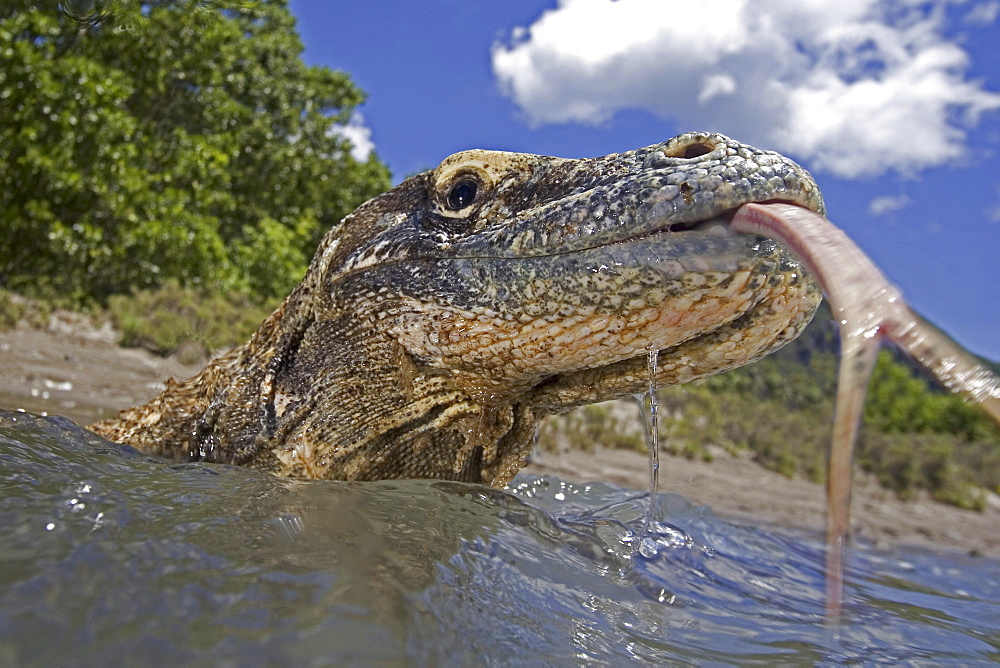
[110,555]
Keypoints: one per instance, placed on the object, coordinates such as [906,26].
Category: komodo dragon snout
[442,320]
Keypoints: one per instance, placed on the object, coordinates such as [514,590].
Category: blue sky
[893,105]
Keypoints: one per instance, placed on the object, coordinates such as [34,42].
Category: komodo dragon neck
[441,321]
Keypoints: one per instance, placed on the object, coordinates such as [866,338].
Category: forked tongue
[868,309]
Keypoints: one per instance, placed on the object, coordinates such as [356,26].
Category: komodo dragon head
[442,320]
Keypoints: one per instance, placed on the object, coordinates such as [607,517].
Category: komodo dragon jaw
[442,320]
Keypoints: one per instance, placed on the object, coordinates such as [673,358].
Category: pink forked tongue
[868,308]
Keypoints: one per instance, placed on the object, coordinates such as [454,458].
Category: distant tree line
[167,141]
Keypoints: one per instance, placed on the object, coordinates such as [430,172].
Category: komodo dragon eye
[462,193]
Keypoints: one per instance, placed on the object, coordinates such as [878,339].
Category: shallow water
[108,554]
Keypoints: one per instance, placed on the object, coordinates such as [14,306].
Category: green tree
[899,401]
[170,141]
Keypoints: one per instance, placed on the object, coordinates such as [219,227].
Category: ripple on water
[122,555]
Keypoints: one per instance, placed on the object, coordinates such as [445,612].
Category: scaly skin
[441,321]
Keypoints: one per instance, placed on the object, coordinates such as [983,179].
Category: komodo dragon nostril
[697,150]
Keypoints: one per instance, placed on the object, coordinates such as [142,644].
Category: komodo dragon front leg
[439,322]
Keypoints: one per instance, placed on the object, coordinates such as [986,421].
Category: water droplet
[648,547]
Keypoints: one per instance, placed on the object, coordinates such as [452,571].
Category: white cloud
[887,203]
[984,13]
[855,87]
[359,134]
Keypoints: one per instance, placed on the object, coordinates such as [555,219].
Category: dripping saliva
[648,409]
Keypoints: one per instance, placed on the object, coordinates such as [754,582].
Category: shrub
[160,320]
[11,310]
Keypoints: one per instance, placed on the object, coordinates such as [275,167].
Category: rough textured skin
[442,320]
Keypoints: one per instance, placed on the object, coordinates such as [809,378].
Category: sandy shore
[78,372]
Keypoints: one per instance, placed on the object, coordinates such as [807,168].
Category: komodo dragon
[442,320]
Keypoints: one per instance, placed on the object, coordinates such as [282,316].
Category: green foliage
[899,401]
[590,425]
[11,310]
[173,141]
[15,309]
[161,320]
[905,463]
